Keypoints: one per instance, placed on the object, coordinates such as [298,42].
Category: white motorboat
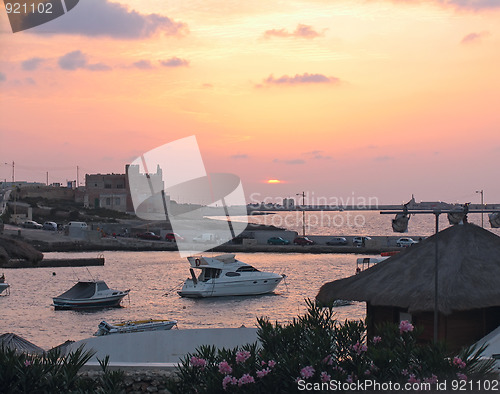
[224,275]
[89,294]
[106,328]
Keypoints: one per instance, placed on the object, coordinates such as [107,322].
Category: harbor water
[154,278]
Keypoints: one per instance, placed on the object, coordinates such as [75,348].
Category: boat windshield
[102,286]
[247,268]
[209,273]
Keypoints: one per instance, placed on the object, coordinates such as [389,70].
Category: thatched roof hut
[21,345]
[468,280]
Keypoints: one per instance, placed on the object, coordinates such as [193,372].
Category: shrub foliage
[317,351]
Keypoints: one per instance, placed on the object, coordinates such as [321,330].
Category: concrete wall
[49,192]
[163,346]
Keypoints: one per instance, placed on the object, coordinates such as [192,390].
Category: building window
[117,201]
[107,186]
[108,200]
[120,186]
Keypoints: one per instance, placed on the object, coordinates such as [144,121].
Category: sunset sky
[380,98]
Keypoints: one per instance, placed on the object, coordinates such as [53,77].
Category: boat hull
[233,288]
[134,326]
[88,303]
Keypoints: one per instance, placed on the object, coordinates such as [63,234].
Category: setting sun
[273,181]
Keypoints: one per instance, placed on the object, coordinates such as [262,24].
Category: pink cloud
[298,79]
[473,38]
[302,31]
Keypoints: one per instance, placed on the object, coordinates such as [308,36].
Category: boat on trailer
[129,326]
[89,294]
[224,275]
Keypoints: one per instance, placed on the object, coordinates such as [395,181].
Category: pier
[54,263]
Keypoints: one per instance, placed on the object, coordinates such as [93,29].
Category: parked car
[173,237]
[50,226]
[360,241]
[149,235]
[206,238]
[337,241]
[277,241]
[405,242]
[303,241]
[32,224]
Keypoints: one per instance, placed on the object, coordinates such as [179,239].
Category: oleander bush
[315,352]
[53,373]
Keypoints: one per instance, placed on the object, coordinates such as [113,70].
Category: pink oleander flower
[367,372]
[271,363]
[198,362]
[307,372]
[359,348]
[229,380]
[377,339]
[27,363]
[328,360]
[349,379]
[325,378]
[413,379]
[462,376]
[242,356]
[225,368]
[432,380]
[457,361]
[405,326]
[245,379]
[263,363]
[404,372]
[262,372]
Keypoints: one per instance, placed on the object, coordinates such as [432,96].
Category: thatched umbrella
[21,345]
[469,268]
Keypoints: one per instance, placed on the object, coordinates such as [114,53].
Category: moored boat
[106,328]
[224,275]
[89,294]
[3,285]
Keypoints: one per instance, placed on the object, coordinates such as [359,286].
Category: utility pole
[77,177]
[482,206]
[47,179]
[13,177]
[303,194]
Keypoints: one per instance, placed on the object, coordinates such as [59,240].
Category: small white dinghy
[106,328]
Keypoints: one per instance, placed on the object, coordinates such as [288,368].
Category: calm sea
[154,277]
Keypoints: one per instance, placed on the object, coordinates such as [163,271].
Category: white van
[81,225]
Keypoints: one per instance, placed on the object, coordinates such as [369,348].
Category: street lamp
[12,170]
[482,206]
[303,194]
